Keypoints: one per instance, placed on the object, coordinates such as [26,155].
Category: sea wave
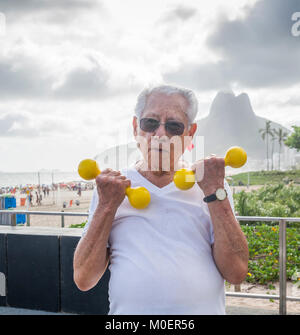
[12,179]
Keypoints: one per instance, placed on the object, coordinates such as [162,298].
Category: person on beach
[37,198]
[174,256]
[79,190]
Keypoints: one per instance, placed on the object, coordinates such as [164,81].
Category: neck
[145,169]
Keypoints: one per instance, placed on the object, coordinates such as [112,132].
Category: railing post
[28,219]
[13,219]
[282,267]
[62,220]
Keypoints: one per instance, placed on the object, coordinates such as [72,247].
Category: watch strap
[209,198]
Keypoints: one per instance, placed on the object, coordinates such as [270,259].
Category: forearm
[230,250]
[91,254]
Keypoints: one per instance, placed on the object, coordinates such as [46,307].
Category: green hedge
[269,200]
[263,244]
[263,237]
[266,177]
[78,225]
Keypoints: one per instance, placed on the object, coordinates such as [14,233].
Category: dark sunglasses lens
[149,125]
[175,128]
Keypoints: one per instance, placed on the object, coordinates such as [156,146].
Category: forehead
[162,105]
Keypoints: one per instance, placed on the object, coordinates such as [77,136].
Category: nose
[160,131]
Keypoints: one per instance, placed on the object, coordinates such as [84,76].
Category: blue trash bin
[10,202]
[20,218]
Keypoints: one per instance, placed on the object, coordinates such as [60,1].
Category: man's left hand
[210,173]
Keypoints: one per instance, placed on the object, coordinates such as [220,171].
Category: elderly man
[173,256]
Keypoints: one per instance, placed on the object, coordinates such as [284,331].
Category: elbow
[238,277]
[80,277]
[83,282]
[236,280]
[82,287]
[80,283]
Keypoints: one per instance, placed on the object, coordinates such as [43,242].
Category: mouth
[159,150]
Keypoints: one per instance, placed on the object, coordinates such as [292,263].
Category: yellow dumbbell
[139,197]
[235,157]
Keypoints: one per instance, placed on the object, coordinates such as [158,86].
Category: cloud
[26,125]
[29,6]
[255,51]
[292,101]
[84,83]
[26,74]
[21,76]
[48,11]
[181,12]
[16,125]
[201,76]
[86,76]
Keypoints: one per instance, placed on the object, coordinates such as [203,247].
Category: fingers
[121,177]
[111,176]
[114,173]
[106,171]
[201,160]
[110,172]
[127,183]
[207,162]
[196,164]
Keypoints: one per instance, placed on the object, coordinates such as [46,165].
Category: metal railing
[282,297]
[282,262]
[29,213]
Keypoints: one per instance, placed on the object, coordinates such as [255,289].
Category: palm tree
[273,138]
[265,132]
[281,137]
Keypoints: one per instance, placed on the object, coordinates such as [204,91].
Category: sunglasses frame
[163,123]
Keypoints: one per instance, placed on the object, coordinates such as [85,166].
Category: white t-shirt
[160,257]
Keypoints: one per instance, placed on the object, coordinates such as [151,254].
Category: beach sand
[54,202]
[292,307]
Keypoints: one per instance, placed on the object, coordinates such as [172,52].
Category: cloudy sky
[70,71]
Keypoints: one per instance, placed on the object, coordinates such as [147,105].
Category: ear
[134,125]
[193,129]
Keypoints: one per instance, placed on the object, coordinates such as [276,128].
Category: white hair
[168,90]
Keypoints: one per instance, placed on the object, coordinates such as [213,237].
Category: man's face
[160,148]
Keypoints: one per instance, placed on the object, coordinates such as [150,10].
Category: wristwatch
[220,194]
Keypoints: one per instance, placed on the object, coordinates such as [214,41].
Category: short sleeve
[230,198]
[92,208]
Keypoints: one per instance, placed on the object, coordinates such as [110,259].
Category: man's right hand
[111,186]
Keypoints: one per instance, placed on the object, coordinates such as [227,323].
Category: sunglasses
[149,125]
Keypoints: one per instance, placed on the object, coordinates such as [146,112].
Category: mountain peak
[226,92]
[227,104]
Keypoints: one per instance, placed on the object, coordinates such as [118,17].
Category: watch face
[221,194]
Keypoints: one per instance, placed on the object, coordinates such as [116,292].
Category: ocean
[34,178]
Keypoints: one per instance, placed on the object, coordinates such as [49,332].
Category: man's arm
[230,248]
[91,256]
